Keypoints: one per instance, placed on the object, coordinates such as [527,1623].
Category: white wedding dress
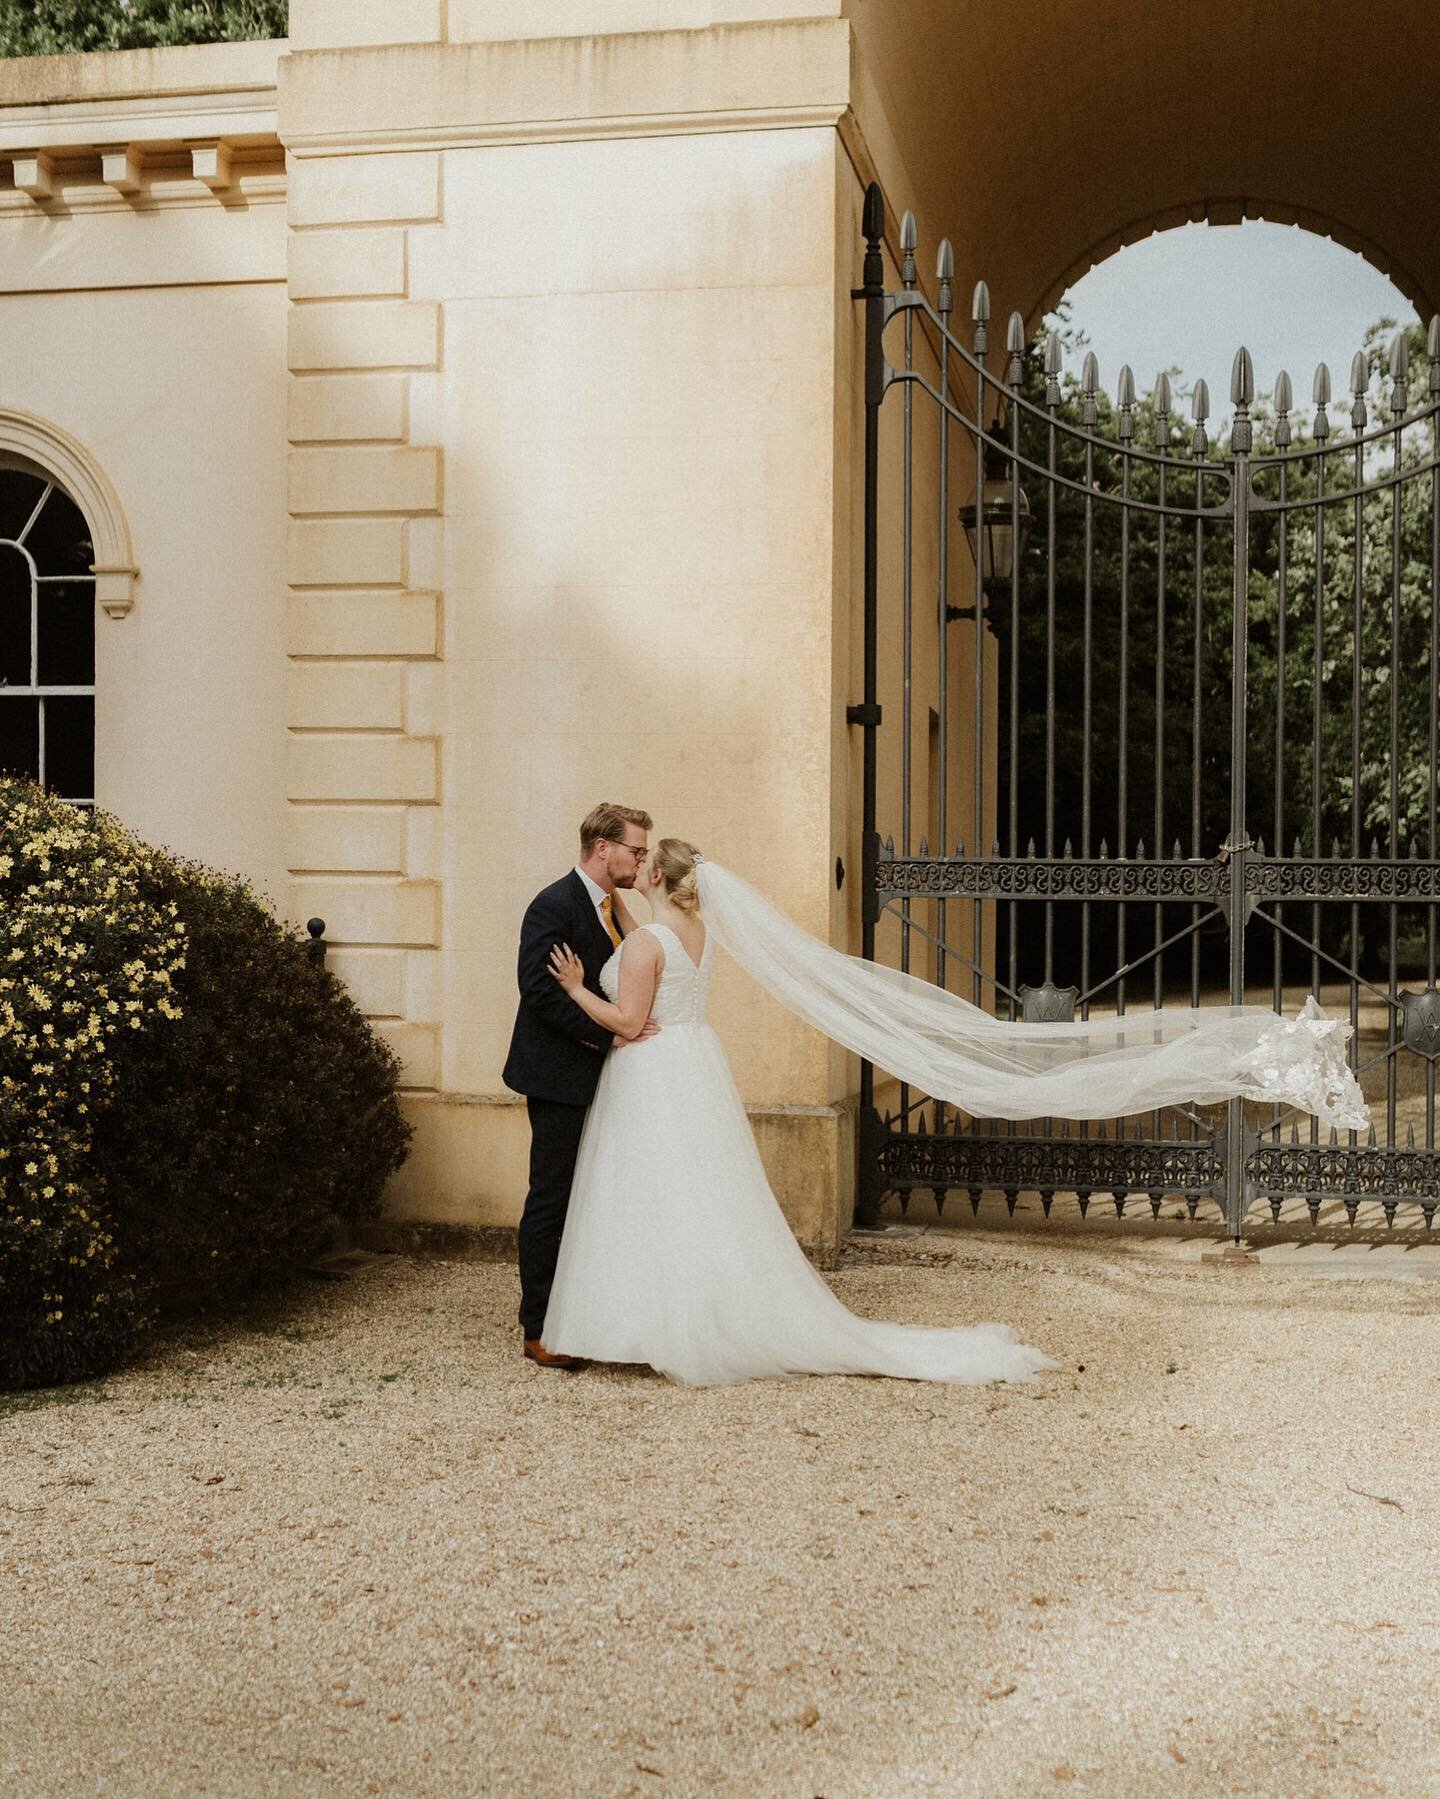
[675,1251]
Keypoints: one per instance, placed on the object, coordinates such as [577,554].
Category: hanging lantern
[990,518]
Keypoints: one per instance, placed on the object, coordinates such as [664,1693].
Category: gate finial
[1052,368]
[1200,411]
[872,222]
[1283,402]
[1399,373]
[909,239]
[1015,349]
[1162,412]
[945,275]
[1320,392]
[1125,400]
[1359,381]
[1242,392]
[873,226]
[1089,385]
[980,315]
[1242,378]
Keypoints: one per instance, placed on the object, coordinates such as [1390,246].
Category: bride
[675,1252]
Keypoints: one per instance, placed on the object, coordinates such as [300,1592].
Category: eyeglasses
[635,849]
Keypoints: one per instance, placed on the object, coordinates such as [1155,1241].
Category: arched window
[47,633]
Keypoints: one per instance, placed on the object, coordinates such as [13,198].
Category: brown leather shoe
[537,1352]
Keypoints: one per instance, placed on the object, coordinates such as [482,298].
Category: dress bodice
[684,990]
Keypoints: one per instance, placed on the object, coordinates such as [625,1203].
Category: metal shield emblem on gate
[1049,1004]
[1422,1022]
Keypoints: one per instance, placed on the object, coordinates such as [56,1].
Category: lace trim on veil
[1301,1062]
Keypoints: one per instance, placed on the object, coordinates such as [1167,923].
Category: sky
[1192,296]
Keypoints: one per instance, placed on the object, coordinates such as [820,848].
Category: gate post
[1242,392]
[868,1136]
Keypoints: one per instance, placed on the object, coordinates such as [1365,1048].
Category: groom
[556,1051]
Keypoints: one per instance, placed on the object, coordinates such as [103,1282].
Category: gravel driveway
[354,1544]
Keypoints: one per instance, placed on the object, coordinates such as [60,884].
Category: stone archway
[1044,135]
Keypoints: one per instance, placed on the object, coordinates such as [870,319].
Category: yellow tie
[607,913]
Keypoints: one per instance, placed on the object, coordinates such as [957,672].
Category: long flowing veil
[1107,1067]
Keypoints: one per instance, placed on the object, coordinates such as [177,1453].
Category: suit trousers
[555,1130]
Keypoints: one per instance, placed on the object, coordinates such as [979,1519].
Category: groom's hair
[609,822]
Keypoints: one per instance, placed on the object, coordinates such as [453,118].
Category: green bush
[87,964]
[216,1104]
[267,1111]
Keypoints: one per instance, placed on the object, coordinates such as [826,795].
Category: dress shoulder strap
[670,931]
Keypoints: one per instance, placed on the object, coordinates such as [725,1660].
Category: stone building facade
[463,399]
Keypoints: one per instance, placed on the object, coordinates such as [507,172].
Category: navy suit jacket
[556,1050]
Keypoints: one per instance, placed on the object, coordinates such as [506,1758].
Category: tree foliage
[56,27]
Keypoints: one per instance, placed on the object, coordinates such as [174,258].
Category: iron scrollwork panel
[1049,878]
[1047,1165]
[1399,880]
[1347,1172]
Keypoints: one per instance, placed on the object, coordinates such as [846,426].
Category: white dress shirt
[598,895]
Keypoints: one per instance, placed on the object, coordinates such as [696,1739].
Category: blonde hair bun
[676,861]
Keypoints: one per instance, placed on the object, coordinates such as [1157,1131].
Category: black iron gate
[1199,652]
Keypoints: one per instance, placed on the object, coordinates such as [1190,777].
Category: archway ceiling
[1042,135]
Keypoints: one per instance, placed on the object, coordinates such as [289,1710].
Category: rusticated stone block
[364,624]
[326,407]
[356,765]
[346,552]
[334,265]
[365,334]
[375,977]
[343,696]
[369,911]
[418,1047]
[364,479]
[352,839]
[389,187]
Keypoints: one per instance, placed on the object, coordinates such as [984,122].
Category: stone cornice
[144,129]
[650,84]
[147,119]
[548,131]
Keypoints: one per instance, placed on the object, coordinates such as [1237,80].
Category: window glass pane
[59,540]
[20,736]
[18,494]
[67,634]
[14,618]
[70,747]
